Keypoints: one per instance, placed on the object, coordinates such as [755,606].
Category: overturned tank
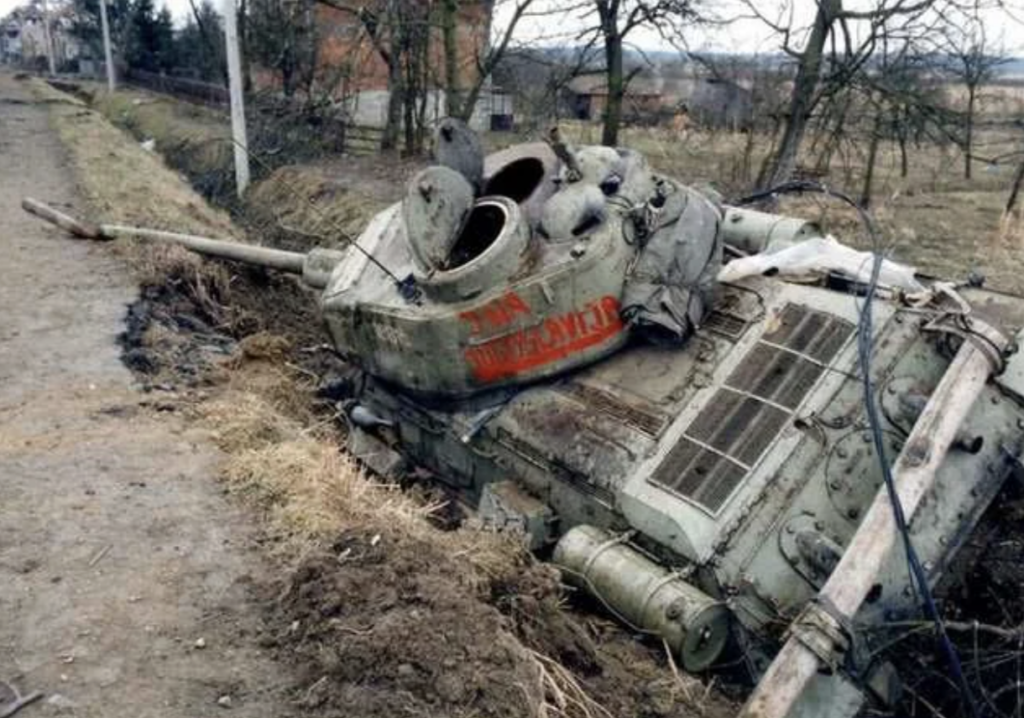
[731,430]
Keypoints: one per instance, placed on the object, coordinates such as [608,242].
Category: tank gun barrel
[314,267]
[279,259]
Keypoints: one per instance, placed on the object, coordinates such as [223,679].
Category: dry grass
[201,133]
[311,207]
[297,206]
[124,183]
[310,490]
[285,459]
[1011,229]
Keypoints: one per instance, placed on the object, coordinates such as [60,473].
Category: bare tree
[971,58]
[905,103]
[460,101]
[610,23]
[282,36]
[831,55]
[386,24]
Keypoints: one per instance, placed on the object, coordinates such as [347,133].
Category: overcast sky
[744,35]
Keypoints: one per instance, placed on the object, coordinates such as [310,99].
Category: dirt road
[125,575]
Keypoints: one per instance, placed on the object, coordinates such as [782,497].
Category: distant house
[10,41]
[348,61]
[588,97]
[23,41]
[721,103]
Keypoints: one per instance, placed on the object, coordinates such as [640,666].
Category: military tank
[741,462]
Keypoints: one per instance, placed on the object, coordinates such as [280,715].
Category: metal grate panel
[647,421]
[739,426]
[699,474]
[775,374]
[728,325]
[736,427]
[815,334]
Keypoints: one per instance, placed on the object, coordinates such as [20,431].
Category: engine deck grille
[646,420]
[728,325]
[742,419]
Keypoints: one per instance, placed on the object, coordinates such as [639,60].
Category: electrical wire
[864,348]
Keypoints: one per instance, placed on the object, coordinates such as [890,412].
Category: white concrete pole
[107,53]
[237,100]
[48,39]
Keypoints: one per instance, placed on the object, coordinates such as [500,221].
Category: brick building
[348,61]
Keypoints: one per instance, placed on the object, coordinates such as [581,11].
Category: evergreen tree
[85,25]
[164,47]
[200,45]
[143,43]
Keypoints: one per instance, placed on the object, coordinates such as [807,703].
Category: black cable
[864,347]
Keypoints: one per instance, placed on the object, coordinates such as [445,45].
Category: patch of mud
[185,328]
[383,628]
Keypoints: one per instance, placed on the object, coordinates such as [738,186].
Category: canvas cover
[670,288]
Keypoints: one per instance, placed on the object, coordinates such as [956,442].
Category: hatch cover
[742,419]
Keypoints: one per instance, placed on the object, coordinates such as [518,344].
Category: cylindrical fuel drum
[651,597]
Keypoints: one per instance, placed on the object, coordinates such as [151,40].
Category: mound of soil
[384,628]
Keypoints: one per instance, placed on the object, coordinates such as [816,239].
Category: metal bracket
[821,629]
[989,339]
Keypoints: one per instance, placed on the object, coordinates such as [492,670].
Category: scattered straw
[563,695]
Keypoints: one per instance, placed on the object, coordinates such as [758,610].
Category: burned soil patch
[190,320]
[167,336]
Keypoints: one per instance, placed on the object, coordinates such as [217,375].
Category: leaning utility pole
[108,55]
[237,100]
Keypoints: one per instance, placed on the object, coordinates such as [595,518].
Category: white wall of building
[370,108]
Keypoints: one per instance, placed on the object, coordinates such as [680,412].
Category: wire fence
[207,93]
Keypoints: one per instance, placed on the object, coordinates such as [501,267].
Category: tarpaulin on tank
[670,288]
